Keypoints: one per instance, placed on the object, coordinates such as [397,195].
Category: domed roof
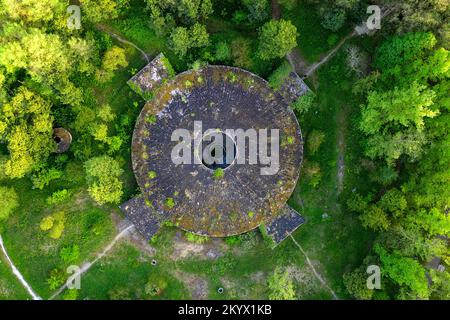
[192,195]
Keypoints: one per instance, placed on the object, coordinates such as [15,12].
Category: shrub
[312,173]
[56,279]
[332,40]
[315,140]
[357,60]
[119,294]
[280,286]
[258,10]
[69,254]
[267,239]
[334,19]
[375,218]
[356,284]
[223,51]
[58,226]
[114,59]
[151,174]
[277,78]
[102,175]
[195,238]
[234,240]
[43,177]
[218,173]
[170,203]
[9,201]
[54,223]
[71,294]
[239,16]
[240,53]
[357,203]
[46,223]
[58,197]
[184,39]
[288,4]
[303,104]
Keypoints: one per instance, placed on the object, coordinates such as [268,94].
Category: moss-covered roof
[189,195]
[284,224]
[151,76]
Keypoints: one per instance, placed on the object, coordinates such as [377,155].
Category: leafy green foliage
[278,77]
[169,202]
[26,125]
[43,177]
[56,279]
[402,123]
[114,58]
[166,15]
[70,254]
[184,39]
[375,218]
[312,173]
[288,4]
[71,294]
[334,19]
[59,197]
[9,201]
[280,286]
[404,271]
[54,223]
[258,10]
[195,238]
[103,176]
[222,51]
[303,104]
[315,140]
[33,11]
[356,284]
[101,10]
[47,223]
[240,53]
[276,39]
[394,118]
[218,173]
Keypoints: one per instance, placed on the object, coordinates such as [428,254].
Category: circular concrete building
[175,151]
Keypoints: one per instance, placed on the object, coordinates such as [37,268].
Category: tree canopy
[276,39]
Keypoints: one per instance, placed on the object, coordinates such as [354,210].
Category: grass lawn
[10,287]
[34,253]
[124,274]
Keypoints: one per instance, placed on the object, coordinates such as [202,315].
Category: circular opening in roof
[218,151]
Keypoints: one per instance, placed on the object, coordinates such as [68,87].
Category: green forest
[374,184]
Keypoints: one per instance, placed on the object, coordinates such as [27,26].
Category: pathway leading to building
[87,265]
[120,39]
[317,274]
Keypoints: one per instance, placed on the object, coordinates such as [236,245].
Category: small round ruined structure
[63,139]
[191,195]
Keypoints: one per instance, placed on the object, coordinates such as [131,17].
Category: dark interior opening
[213,145]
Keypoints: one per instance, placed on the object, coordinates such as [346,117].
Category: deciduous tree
[276,39]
